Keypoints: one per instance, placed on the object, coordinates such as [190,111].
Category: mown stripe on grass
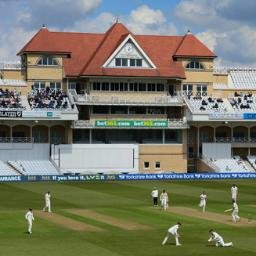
[66,222]
[217,217]
[121,223]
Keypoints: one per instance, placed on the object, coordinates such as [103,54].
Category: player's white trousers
[30,226]
[168,236]
[47,206]
[235,216]
[164,204]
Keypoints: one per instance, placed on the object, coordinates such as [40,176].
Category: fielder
[203,198]
[235,211]
[154,195]
[173,231]
[234,192]
[30,218]
[47,198]
[218,239]
[164,199]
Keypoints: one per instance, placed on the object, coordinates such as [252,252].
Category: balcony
[145,99]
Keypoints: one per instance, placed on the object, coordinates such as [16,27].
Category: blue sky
[228,27]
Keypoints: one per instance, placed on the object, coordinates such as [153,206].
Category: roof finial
[189,32]
[117,19]
[43,26]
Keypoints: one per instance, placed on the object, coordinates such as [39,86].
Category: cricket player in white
[164,199]
[218,239]
[234,192]
[154,195]
[173,231]
[235,211]
[203,198]
[47,198]
[30,218]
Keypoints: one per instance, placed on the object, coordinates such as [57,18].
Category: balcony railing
[227,140]
[16,139]
[123,100]
[129,116]
[172,123]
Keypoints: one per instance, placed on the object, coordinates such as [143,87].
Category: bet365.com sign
[131,123]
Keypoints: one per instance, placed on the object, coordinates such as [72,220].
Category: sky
[228,27]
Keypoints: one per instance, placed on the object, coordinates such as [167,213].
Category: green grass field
[130,201]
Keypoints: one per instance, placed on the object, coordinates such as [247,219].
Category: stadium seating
[10,99]
[34,167]
[252,160]
[235,164]
[243,103]
[243,78]
[207,104]
[6,170]
[48,98]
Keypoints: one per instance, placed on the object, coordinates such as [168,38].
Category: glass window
[142,87]
[188,89]
[158,165]
[201,90]
[112,86]
[72,85]
[160,87]
[124,62]
[55,85]
[132,62]
[146,165]
[118,62]
[39,85]
[105,86]
[194,65]
[139,62]
[47,61]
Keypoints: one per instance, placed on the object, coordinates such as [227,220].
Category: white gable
[133,54]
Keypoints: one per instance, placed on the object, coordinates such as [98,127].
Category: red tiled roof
[190,46]
[88,51]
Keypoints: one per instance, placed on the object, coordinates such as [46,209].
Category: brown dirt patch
[65,221]
[123,224]
[217,217]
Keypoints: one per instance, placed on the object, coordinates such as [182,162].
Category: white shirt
[234,191]
[47,197]
[174,229]
[203,197]
[235,207]
[29,216]
[164,196]
[154,193]
[216,237]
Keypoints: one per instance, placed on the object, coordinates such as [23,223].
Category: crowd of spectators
[48,98]
[10,99]
[242,101]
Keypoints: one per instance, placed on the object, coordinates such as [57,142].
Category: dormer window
[194,65]
[47,61]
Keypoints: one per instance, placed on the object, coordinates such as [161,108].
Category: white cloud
[11,43]
[98,25]
[229,37]
[147,16]
[145,20]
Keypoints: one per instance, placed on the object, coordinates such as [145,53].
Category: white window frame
[187,90]
[40,83]
[55,85]
[200,91]
[47,61]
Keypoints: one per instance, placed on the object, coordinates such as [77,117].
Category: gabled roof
[88,51]
[190,46]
